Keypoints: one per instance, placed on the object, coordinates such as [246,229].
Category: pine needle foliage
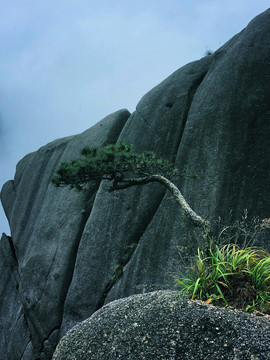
[124,168]
[230,275]
[111,162]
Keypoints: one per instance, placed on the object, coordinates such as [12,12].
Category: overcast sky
[66,64]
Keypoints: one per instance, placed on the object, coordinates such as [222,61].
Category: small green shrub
[208,52]
[230,275]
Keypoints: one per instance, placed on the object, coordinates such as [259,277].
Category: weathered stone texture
[158,325]
[211,116]
[46,228]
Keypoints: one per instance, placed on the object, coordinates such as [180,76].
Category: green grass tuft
[230,275]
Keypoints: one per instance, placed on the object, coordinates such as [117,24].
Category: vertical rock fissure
[75,248]
[42,349]
[23,352]
[130,249]
[113,135]
[190,96]
[12,248]
[15,278]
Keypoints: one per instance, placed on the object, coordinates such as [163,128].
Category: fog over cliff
[66,65]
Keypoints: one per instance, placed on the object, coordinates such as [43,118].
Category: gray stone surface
[211,116]
[46,228]
[159,326]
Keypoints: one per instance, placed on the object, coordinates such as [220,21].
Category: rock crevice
[128,253]
[212,116]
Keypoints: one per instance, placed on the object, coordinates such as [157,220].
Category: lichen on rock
[158,325]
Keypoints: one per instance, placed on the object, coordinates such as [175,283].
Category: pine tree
[124,168]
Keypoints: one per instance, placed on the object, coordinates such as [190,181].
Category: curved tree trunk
[197,220]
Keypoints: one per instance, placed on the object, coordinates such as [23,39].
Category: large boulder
[73,252]
[158,325]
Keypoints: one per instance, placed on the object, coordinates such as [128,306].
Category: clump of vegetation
[230,275]
[208,52]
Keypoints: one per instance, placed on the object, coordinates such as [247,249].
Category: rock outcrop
[158,325]
[212,117]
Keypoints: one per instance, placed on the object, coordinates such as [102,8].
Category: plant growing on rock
[227,275]
[124,168]
[230,275]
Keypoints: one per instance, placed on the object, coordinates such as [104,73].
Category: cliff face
[211,116]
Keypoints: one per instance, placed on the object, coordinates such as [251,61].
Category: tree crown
[111,162]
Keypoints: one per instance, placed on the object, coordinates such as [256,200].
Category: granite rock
[72,252]
[158,325]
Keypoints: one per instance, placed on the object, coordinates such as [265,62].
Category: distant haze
[64,65]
